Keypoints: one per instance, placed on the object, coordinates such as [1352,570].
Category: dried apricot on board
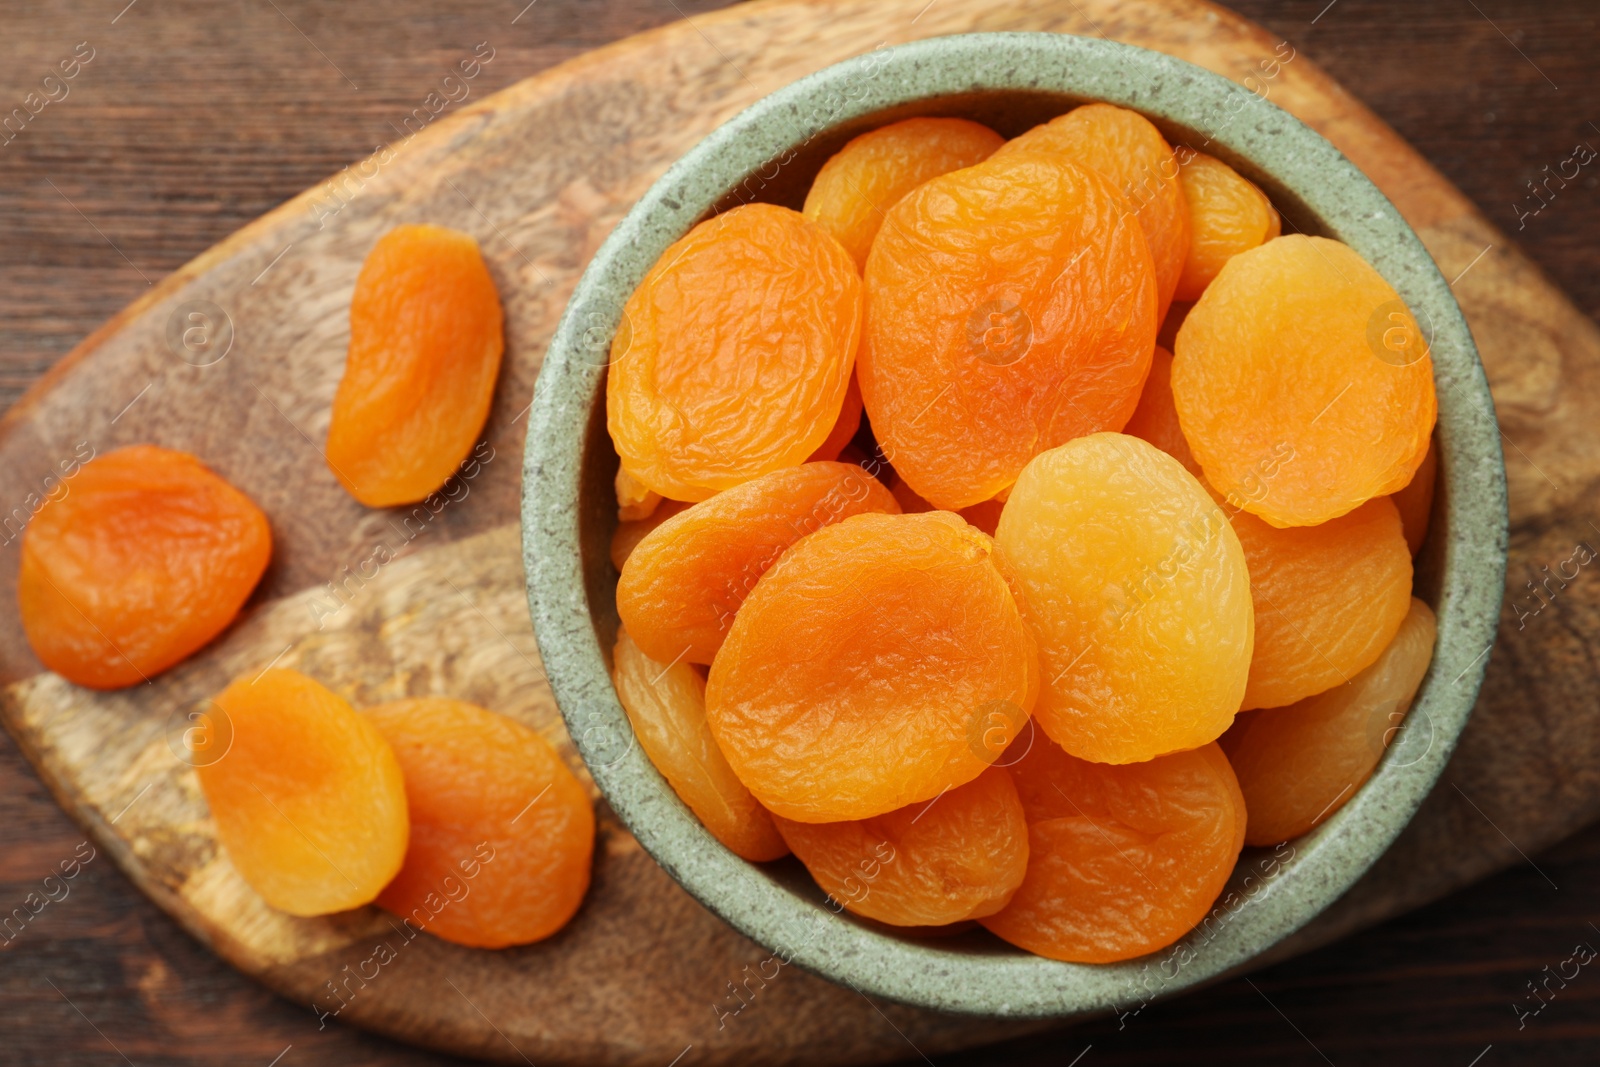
[683,585]
[856,677]
[1136,590]
[859,184]
[308,798]
[1156,419]
[1328,599]
[1302,382]
[502,832]
[666,703]
[1011,307]
[1415,499]
[1128,150]
[426,335]
[1227,215]
[844,428]
[635,500]
[147,558]
[1300,764]
[739,348]
[1121,860]
[956,857]
[628,534]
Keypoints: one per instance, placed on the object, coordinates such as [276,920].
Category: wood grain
[301,315]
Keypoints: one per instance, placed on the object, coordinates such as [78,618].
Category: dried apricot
[1011,307]
[1302,382]
[666,703]
[425,343]
[628,534]
[1415,500]
[1121,860]
[1227,215]
[1136,590]
[683,585]
[737,354]
[851,678]
[1127,149]
[145,559]
[844,429]
[958,856]
[863,180]
[1328,599]
[1156,419]
[635,500]
[308,797]
[1300,764]
[502,832]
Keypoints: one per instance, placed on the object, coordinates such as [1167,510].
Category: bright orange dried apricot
[147,557]
[853,675]
[502,832]
[1121,860]
[1415,499]
[1156,419]
[1303,383]
[308,797]
[629,534]
[1227,215]
[855,188]
[1300,764]
[683,585]
[844,429]
[737,353]
[425,343]
[958,856]
[666,703]
[1134,585]
[1127,149]
[1328,599]
[1011,307]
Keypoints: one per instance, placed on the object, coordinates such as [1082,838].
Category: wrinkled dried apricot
[857,186]
[628,534]
[1156,419]
[1227,215]
[1302,382]
[146,558]
[1128,150]
[1011,307]
[737,355]
[666,703]
[308,797]
[1300,764]
[502,832]
[852,676]
[425,343]
[683,585]
[1328,599]
[958,856]
[1134,585]
[1415,500]
[1121,860]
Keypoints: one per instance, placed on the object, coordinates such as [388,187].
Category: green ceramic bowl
[770,152]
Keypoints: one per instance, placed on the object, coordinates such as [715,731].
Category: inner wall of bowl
[1272,892]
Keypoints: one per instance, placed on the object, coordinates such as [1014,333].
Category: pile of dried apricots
[940,571]
[466,824]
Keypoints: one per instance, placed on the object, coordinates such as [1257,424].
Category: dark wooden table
[192,118]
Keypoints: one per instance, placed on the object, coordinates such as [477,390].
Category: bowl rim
[1288,890]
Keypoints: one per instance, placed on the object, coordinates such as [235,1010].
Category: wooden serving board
[540,173]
